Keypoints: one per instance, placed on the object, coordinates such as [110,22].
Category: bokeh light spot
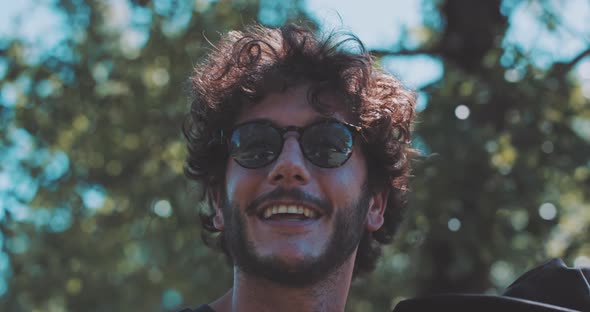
[18,244]
[57,166]
[73,286]
[171,299]
[462,112]
[547,211]
[23,143]
[131,141]
[513,75]
[61,220]
[93,197]
[400,262]
[547,147]
[163,208]
[19,211]
[502,273]
[155,275]
[454,224]
[81,123]
[8,95]
[160,77]
[581,126]
[100,72]
[519,219]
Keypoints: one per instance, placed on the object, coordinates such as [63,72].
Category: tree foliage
[95,214]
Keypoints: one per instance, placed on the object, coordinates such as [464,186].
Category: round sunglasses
[326,144]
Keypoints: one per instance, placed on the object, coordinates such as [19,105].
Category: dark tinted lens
[254,145]
[327,145]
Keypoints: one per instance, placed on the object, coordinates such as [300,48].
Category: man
[301,145]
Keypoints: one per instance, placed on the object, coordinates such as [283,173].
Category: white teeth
[293,209]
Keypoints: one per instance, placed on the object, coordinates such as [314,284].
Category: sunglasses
[326,144]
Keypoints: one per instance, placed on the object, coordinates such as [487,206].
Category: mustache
[295,194]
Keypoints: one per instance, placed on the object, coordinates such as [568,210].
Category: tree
[98,217]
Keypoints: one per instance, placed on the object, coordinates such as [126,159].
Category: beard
[348,229]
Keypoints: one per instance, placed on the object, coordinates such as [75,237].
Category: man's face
[289,249]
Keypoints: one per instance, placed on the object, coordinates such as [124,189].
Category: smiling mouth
[288,213]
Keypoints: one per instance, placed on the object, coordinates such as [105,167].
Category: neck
[250,293]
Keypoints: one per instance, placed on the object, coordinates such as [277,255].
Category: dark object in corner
[550,287]
[554,283]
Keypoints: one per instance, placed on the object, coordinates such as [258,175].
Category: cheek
[355,171]
[345,183]
[240,182]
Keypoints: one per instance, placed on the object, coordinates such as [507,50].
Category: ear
[377,204]
[215,200]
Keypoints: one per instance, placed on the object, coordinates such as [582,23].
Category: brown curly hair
[246,66]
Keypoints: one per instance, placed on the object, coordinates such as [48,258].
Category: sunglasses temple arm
[218,138]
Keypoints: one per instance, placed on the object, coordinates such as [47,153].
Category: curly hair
[246,66]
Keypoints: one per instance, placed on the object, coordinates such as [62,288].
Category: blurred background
[95,214]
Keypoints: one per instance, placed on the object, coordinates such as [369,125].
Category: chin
[291,253]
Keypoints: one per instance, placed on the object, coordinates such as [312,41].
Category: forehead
[292,107]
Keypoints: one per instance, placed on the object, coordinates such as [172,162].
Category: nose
[289,170]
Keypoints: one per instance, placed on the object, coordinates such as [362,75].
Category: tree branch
[564,68]
[381,53]
[576,59]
